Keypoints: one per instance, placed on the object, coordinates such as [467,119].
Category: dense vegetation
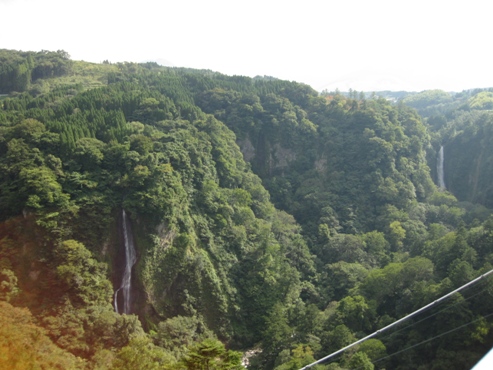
[267,218]
[461,123]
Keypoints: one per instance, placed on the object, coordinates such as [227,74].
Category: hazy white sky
[359,44]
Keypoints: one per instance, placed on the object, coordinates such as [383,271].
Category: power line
[433,338]
[434,314]
[398,321]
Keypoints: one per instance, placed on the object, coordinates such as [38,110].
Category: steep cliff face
[267,159]
[200,221]
[175,201]
[340,159]
[469,162]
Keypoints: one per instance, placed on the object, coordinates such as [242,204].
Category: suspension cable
[434,314]
[399,321]
[430,339]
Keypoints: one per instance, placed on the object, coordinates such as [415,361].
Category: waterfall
[115,299]
[130,259]
[441,181]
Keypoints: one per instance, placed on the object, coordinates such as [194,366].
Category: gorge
[166,218]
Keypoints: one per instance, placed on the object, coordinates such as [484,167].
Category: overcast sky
[359,44]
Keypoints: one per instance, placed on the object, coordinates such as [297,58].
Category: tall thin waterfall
[130,259]
[441,180]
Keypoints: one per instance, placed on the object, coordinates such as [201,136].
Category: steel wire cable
[430,339]
[403,319]
[434,314]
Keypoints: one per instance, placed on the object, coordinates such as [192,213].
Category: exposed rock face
[247,149]
[272,158]
[165,236]
[33,275]
[320,165]
[281,157]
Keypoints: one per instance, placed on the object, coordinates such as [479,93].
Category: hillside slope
[356,234]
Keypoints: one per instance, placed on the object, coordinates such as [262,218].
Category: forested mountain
[461,123]
[265,218]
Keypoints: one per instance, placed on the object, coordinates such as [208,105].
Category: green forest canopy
[266,217]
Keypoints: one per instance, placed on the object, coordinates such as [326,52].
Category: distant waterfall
[130,259]
[441,181]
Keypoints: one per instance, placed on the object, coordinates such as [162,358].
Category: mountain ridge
[265,215]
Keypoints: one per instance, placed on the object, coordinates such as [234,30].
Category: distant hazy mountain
[386,80]
[162,62]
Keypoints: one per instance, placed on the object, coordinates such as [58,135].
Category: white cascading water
[441,180]
[130,259]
